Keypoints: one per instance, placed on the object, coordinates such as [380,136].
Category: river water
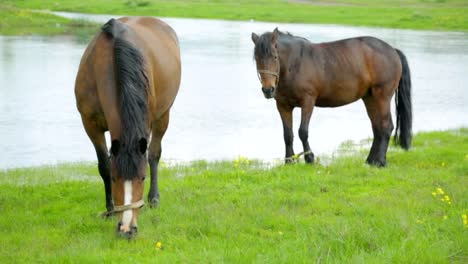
[220,112]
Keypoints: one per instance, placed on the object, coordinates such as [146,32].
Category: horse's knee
[288,137]
[303,134]
[103,164]
[154,156]
[103,170]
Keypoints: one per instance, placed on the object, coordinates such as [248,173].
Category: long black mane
[132,86]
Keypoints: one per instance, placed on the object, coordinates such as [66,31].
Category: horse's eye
[143,178]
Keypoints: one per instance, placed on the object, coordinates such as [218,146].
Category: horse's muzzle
[268,92]
[129,234]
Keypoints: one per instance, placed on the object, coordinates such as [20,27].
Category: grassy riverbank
[20,21]
[241,212]
[414,14]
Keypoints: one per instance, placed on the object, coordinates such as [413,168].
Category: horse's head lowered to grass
[128,172]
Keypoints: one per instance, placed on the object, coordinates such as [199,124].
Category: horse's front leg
[99,141]
[286,118]
[154,155]
[306,113]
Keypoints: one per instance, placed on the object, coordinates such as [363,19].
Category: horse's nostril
[268,90]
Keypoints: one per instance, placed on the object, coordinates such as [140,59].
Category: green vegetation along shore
[20,21]
[412,14]
[413,211]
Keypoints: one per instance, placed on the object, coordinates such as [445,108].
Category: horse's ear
[143,144]
[254,38]
[115,147]
[275,35]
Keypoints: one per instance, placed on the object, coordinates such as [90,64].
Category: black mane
[132,86]
[263,45]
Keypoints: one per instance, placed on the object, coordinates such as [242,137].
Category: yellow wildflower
[434,193]
[280,233]
[445,217]
[447,198]
[464,216]
[443,164]
[159,245]
[440,191]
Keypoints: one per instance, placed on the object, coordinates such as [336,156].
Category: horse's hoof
[309,158]
[289,160]
[153,202]
[376,163]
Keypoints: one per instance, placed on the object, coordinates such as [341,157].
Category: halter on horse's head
[268,61]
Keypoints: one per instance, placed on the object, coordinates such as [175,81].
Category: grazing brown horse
[127,82]
[298,73]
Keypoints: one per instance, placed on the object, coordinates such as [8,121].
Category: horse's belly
[329,102]
[341,92]
[339,97]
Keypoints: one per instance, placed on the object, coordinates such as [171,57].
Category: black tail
[404,113]
[132,86]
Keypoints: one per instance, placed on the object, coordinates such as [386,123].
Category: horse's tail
[404,113]
[132,88]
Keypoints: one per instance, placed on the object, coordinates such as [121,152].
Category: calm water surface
[220,112]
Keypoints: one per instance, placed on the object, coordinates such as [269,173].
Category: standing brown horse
[298,73]
[127,82]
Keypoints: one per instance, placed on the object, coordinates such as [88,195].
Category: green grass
[17,21]
[414,14]
[243,212]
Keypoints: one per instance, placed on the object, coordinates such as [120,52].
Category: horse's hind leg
[378,110]
[97,138]
[154,154]
[306,113]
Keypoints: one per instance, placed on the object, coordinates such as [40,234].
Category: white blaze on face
[127,215]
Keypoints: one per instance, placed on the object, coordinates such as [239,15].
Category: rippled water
[220,111]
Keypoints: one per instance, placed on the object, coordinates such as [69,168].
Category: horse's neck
[285,54]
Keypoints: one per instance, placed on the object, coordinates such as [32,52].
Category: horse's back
[350,67]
